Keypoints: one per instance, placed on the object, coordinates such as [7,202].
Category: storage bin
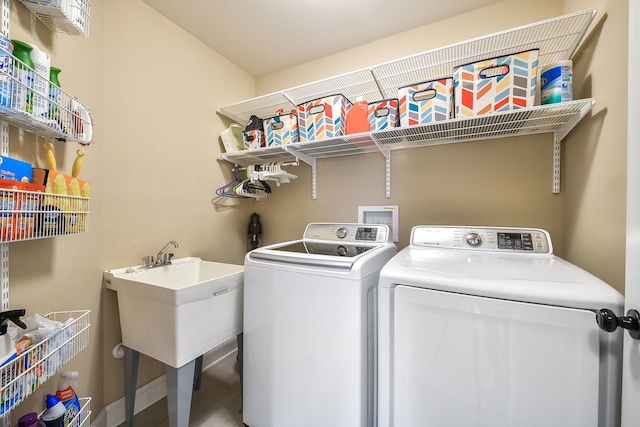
[253,139]
[323,118]
[425,102]
[496,84]
[383,114]
[281,129]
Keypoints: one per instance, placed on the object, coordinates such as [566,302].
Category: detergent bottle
[54,415]
[30,420]
[67,396]
[42,66]
[358,117]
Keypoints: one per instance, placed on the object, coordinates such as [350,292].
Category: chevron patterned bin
[322,118]
[496,84]
[425,102]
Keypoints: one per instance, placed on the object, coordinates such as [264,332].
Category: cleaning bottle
[67,396]
[42,66]
[7,346]
[23,71]
[54,414]
[30,420]
[358,117]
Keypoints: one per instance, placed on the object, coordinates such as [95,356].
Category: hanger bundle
[255,185]
[242,187]
[271,172]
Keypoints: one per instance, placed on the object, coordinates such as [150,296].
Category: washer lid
[503,274]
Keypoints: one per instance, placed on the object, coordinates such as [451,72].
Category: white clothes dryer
[485,327]
[309,327]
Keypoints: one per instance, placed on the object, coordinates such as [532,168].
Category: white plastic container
[556,82]
[42,65]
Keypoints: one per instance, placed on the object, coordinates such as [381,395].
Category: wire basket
[31,101]
[66,16]
[25,374]
[29,215]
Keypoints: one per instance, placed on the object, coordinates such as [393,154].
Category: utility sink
[178,312]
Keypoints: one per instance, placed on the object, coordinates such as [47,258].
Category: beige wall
[154,91]
[595,153]
[442,185]
[162,88]
[432,185]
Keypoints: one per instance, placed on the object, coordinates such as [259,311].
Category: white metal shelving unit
[556,39]
[66,120]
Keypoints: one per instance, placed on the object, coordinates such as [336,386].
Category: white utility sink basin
[178,312]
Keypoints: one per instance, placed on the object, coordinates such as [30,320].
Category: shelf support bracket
[4,247]
[387,159]
[557,147]
[311,161]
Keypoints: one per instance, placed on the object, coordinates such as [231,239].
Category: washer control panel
[520,240]
[368,233]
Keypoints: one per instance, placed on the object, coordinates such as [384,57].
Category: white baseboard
[114,414]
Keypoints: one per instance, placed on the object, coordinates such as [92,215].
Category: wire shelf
[30,101]
[66,16]
[552,118]
[556,39]
[25,374]
[28,215]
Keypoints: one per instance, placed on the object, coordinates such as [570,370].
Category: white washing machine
[486,327]
[309,327]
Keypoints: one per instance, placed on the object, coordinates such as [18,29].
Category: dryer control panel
[365,233]
[507,239]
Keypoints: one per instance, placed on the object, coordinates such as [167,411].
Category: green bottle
[55,95]
[23,71]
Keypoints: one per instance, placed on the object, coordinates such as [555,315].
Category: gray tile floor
[216,404]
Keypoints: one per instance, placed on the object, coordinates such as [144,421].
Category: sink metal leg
[239,341]
[131,360]
[197,375]
[179,390]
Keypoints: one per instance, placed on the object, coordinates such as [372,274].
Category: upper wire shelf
[556,39]
[552,118]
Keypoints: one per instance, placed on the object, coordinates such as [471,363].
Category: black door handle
[608,321]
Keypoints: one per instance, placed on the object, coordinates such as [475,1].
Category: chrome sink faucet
[148,260]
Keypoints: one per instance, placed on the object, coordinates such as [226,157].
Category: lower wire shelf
[29,215]
[26,373]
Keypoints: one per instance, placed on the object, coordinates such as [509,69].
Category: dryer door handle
[608,321]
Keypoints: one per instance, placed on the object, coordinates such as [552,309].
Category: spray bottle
[7,346]
[67,395]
